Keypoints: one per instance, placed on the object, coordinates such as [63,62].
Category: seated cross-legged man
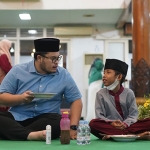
[115,106]
[28,114]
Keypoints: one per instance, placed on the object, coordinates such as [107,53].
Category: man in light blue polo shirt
[28,116]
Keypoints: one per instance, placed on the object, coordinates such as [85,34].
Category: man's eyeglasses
[53,58]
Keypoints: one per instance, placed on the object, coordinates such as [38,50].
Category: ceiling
[48,18]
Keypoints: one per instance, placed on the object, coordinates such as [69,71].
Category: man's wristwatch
[73,127]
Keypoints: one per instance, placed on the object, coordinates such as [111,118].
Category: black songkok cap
[46,45]
[117,65]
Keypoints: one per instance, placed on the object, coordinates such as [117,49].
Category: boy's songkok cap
[47,45]
[117,65]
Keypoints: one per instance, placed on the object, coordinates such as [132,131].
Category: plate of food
[44,95]
[124,138]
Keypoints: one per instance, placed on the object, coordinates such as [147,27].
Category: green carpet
[96,144]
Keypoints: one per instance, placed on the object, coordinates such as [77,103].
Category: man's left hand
[73,134]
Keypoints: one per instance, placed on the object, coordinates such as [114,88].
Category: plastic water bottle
[87,132]
[65,128]
[81,133]
[48,134]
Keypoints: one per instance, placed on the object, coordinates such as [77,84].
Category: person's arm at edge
[75,114]
[8,99]
[132,108]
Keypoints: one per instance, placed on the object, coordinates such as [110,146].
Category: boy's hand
[118,124]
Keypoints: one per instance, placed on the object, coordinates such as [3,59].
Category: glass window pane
[26,48]
[50,32]
[7,32]
[31,32]
[63,51]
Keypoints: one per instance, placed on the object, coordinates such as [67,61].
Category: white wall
[79,47]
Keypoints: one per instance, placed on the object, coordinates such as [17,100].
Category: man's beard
[45,70]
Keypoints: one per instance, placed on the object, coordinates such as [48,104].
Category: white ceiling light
[32,31]
[25,16]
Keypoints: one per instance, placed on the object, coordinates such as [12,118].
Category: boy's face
[109,77]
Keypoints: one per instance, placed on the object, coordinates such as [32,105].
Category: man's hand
[73,134]
[27,97]
[118,124]
[10,100]
[75,114]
